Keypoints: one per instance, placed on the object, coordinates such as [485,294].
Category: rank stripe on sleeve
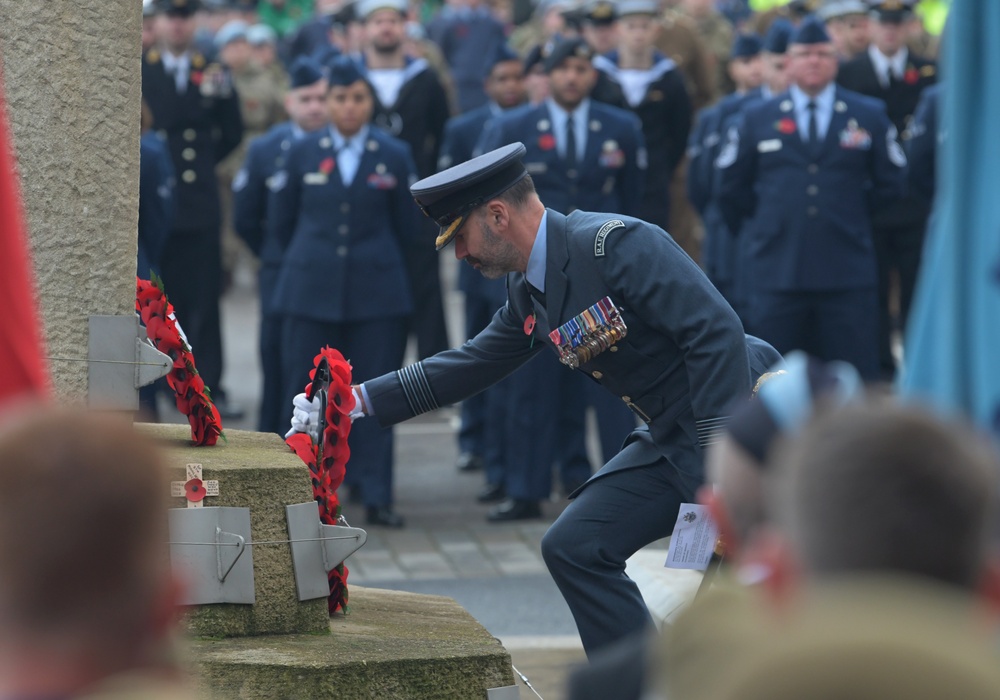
[711,430]
[417,389]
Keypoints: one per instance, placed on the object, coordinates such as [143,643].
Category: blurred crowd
[788,150]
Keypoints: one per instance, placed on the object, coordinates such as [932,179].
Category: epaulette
[602,234]
[152,57]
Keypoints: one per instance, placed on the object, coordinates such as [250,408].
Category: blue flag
[953,336]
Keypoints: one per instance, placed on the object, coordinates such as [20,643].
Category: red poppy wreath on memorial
[193,398]
[328,475]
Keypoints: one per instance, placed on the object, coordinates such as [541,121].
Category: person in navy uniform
[306,107]
[342,213]
[719,246]
[654,91]
[800,178]
[197,111]
[599,163]
[156,198]
[921,146]
[889,72]
[480,440]
[411,104]
[659,337]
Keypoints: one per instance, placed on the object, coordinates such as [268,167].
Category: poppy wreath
[193,398]
[329,475]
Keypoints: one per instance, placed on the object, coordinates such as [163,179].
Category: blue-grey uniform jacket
[683,361]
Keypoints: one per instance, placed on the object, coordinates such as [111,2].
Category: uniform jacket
[808,211]
[682,362]
[900,100]
[469,40]
[461,136]
[343,246]
[665,113]
[156,202]
[265,156]
[609,177]
[418,116]
[201,126]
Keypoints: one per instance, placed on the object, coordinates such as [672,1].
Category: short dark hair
[519,193]
[887,487]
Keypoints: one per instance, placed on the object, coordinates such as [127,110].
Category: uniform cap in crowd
[365,8]
[343,71]
[449,196]
[746,45]
[503,54]
[179,8]
[567,48]
[261,35]
[229,32]
[801,8]
[776,40]
[600,12]
[891,11]
[833,9]
[304,71]
[811,31]
[638,7]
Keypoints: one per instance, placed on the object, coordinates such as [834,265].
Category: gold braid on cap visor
[444,238]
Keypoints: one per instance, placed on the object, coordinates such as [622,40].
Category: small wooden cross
[194,489]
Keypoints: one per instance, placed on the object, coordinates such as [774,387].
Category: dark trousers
[896,248]
[427,324]
[482,429]
[830,325]
[585,549]
[192,275]
[274,413]
[373,347]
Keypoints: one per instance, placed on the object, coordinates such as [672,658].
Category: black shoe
[492,493]
[227,409]
[469,462]
[515,509]
[383,515]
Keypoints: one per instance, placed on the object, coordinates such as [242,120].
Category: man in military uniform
[847,23]
[718,253]
[480,440]
[890,73]
[196,108]
[306,105]
[654,91]
[800,178]
[580,152]
[411,104]
[653,331]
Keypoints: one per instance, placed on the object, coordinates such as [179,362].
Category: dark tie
[570,144]
[813,126]
[536,294]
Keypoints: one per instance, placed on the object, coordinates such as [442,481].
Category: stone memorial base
[392,645]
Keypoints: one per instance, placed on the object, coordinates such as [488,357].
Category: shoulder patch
[602,234]
[896,155]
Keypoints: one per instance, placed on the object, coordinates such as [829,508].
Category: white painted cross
[194,489]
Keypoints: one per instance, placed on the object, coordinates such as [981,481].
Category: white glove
[305,417]
[358,412]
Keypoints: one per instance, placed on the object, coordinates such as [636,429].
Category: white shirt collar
[824,100]
[883,64]
[356,143]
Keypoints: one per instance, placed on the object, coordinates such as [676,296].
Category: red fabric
[22,353]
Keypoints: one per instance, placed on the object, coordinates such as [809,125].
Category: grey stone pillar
[71,72]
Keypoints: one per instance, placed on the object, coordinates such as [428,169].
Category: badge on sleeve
[241,180]
[602,234]
[896,155]
[727,156]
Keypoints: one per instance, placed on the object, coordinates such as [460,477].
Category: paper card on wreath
[194,489]
[694,538]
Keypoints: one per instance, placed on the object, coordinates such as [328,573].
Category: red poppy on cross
[194,489]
